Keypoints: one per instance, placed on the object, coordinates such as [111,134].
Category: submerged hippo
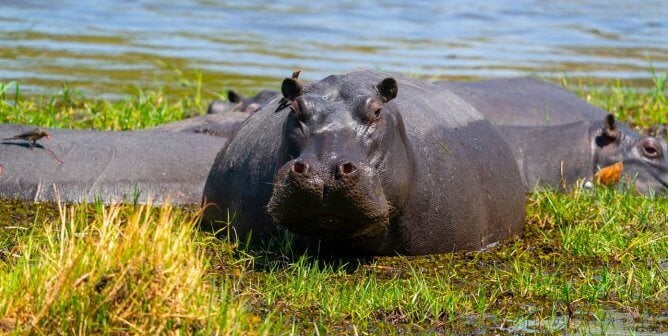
[557,138]
[368,162]
[237,103]
[112,166]
[220,125]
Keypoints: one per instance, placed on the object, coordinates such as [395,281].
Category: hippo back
[465,167]
[82,165]
[525,102]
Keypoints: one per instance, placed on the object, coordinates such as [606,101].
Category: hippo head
[346,167]
[643,157]
[238,103]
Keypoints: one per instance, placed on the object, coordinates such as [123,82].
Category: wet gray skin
[557,138]
[111,166]
[237,103]
[368,162]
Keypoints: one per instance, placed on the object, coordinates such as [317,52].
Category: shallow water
[105,46]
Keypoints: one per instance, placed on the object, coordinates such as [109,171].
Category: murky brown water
[105,47]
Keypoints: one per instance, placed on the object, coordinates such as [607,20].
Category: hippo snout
[345,169]
[313,198]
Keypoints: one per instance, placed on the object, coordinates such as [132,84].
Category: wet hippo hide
[351,168]
[113,166]
[558,138]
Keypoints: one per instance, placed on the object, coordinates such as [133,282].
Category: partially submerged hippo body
[349,167]
[221,125]
[237,103]
[112,166]
[557,138]
[224,117]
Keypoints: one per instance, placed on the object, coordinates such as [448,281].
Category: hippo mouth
[335,226]
[329,217]
[345,202]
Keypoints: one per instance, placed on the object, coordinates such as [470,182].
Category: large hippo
[112,166]
[557,138]
[367,162]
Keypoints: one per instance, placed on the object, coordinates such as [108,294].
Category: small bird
[295,74]
[31,136]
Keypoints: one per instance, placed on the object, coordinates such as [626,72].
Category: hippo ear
[291,88]
[388,89]
[610,129]
[234,97]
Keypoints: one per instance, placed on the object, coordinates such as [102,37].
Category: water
[105,47]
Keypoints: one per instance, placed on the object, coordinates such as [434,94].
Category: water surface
[105,47]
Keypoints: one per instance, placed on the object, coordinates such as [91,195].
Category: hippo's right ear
[234,97]
[291,89]
[388,89]
[610,129]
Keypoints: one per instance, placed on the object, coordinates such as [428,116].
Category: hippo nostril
[299,167]
[345,168]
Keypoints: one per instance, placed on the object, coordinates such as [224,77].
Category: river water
[105,47]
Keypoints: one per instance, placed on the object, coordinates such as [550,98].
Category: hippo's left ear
[387,88]
[610,129]
[291,88]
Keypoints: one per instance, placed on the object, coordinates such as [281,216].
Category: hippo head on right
[347,166]
[644,160]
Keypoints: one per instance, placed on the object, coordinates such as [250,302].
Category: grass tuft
[115,269]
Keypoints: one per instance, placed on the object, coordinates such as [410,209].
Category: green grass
[100,269]
[641,110]
[591,261]
[68,108]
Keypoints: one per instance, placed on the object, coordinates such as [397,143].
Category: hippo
[237,103]
[371,163]
[557,138]
[221,124]
[84,165]
[223,118]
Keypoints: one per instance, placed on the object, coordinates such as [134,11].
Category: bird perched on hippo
[371,163]
[31,136]
[557,138]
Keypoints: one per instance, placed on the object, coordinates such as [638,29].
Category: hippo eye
[376,113]
[650,149]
